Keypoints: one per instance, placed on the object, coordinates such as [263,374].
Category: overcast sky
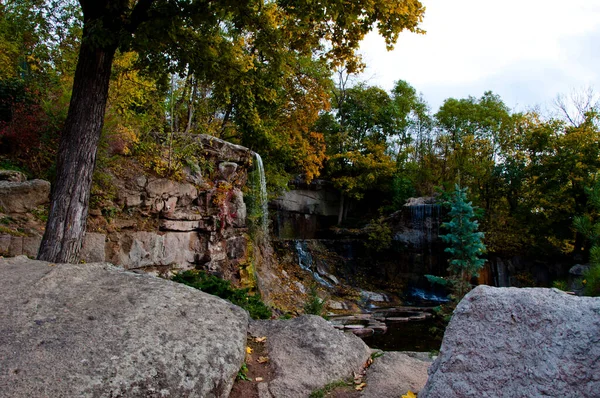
[527,51]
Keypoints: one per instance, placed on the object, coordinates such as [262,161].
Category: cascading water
[305,261]
[425,219]
[262,193]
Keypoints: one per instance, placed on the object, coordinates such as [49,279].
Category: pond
[406,336]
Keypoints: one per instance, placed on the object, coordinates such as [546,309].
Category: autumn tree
[171,35]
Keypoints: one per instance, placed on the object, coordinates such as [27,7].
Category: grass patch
[10,231]
[322,392]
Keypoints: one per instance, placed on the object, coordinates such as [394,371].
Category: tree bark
[67,219]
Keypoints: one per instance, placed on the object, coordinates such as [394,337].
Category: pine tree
[591,230]
[464,244]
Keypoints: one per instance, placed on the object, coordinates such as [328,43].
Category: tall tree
[173,34]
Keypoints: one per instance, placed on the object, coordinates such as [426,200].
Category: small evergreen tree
[464,244]
[591,230]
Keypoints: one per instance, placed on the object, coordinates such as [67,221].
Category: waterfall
[262,194]
[305,261]
[425,219]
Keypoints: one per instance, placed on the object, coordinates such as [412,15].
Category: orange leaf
[360,386]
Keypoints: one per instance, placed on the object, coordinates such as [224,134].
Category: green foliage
[591,280]
[560,284]
[314,305]
[40,213]
[211,284]
[464,245]
[242,374]
[591,230]
[464,241]
[380,235]
[438,280]
[323,392]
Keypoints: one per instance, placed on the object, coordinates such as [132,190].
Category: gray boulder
[307,353]
[510,342]
[395,373]
[20,197]
[94,330]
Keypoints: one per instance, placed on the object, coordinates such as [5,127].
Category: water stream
[425,218]
[262,194]
[305,261]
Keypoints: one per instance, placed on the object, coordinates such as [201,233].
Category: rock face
[306,211]
[22,196]
[307,353]
[509,342]
[93,249]
[201,222]
[94,330]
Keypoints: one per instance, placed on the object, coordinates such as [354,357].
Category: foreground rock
[94,330]
[509,342]
[395,373]
[307,353]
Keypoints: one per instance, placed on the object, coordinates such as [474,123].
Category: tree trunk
[66,225]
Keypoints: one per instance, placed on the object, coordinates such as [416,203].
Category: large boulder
[395,373]
[94,330]
[307,353]
[21,197]
[510,342]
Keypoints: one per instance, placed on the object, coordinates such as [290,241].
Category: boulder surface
[94,330]
[395,373]
[307,353]
[510,342]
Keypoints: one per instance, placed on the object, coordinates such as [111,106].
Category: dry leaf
[259,379]
[409,394]
[261,339]
[248,350]
[360,386]
[262,359]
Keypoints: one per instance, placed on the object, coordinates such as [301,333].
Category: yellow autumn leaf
[360,386]
[409,394]
[248,350]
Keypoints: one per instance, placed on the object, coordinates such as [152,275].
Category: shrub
[314,305]
[219,287]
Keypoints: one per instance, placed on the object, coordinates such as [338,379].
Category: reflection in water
[406,336]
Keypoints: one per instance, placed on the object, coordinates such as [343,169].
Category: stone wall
[159,225]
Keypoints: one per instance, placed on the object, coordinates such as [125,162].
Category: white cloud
[525,50]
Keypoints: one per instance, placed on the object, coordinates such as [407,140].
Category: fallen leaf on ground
[259,379]
[262,359]
[360,386]
[409,394]
[261,339]
[248,350]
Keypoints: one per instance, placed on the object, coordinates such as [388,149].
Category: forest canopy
[281,78]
